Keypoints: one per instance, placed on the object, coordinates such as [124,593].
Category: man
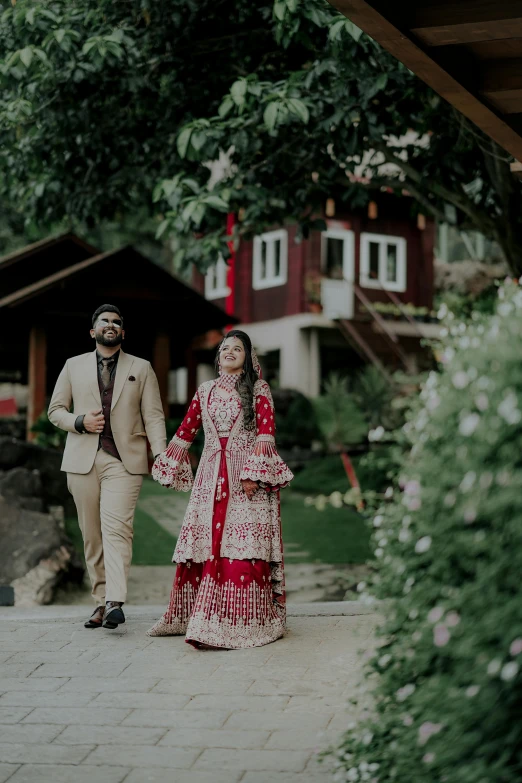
[117,406]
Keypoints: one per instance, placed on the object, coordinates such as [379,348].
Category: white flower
[384,661]
[309,501]
[336,499]
[450,500]
[376,434]
[505,308]
[509,671]
[423,544]
[412,488]
[467,482]
[508,409]
[403,693]
[435,614]
[469,424]
[494,667]
[413,614]
[361,587]
[404,536]
[460,380]
[389,493]
[378,520]
[320,502]
[352,774]
[486,480]
[366,738]
[482,401]
[472,691]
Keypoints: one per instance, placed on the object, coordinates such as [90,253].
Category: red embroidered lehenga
[228,589]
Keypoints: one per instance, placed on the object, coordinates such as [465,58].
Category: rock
[21,482]
[16,453]
[35,555]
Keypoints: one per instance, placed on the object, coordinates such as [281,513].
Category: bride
[228,590]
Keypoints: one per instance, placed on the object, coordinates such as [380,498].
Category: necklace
[227,381]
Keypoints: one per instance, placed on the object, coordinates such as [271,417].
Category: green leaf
[292,5]
[226,105]
[353,30]
[238,91]
[26,56]
[381,82]
[188,210]
[88,45]
[162,228]
[198,140]
[217,202]
[280,9]
[183,141]
[29,17]
[39,189]
[335,29]
[270,115]
[59,35]
[299,108]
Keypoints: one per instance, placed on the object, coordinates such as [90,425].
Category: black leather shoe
[113,615]
[96,618]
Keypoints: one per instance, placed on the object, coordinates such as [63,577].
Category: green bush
[340,419]
[446,685]
[47,434]
[296,423]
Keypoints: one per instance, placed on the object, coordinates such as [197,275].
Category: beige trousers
[105,500]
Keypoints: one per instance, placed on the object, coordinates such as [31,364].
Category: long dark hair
[247,379]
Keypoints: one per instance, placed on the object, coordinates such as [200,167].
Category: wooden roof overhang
[468,51]
[151,299]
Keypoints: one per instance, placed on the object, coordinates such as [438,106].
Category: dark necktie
[106,371]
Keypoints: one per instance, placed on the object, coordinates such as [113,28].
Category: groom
[117,406]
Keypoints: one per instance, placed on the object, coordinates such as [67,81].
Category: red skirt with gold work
[222,602]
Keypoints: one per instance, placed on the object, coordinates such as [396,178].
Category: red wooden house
[325,303]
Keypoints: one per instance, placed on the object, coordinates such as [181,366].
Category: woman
[228,589]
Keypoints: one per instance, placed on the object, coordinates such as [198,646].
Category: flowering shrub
[448,543]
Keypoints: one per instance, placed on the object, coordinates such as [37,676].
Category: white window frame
[382,283]
[216,280]
[271,280]
[348,238]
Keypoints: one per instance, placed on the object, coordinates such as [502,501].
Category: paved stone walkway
[112,706]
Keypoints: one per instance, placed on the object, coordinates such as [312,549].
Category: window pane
[277,257]
[262,265]
[334,257]
[391,263]
[374,260]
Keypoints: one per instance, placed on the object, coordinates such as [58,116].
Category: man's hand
[94,421]
[250,487]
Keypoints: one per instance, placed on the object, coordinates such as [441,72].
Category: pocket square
[132,378]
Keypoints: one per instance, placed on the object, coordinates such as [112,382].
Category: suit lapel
[122,373]
[93,377]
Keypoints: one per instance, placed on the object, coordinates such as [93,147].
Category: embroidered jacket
[252,528]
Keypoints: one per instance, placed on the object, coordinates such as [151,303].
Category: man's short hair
[106,308]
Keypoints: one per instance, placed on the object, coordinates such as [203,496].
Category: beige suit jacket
[136,411]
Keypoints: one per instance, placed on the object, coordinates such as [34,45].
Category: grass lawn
[329,536]
[335,535]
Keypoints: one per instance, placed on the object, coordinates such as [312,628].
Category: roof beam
[449,22]
[420,60]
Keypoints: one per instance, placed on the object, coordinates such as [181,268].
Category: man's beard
[109,341]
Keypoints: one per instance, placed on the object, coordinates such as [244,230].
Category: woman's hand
[250,487]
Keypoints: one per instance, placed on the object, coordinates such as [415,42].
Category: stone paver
[102,707]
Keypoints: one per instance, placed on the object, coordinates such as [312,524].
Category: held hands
[250,487]
[94,421]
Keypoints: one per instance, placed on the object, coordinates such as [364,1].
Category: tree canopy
[110,110]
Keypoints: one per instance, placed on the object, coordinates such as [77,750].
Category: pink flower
[407,720]
[427,730]
[428,758]
[516,647]
[412,487]
[441,635]
[452,619]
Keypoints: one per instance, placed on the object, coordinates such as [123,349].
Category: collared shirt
[78,424]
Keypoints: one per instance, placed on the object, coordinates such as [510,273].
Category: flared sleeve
[172,467]
[264,464]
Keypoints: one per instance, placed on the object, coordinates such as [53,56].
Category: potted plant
[312,286]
